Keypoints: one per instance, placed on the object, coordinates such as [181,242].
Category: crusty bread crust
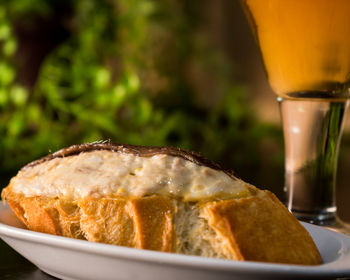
[144,223]
[260,228]
[256,228]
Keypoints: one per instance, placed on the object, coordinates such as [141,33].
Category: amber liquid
[305,45]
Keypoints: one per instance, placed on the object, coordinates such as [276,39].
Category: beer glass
[305,46]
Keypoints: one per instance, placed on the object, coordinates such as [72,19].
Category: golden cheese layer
[106,173]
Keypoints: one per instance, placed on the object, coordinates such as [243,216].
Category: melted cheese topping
[106,173]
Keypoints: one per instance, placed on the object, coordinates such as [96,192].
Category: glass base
[312,130]
[328,220]
[338,226]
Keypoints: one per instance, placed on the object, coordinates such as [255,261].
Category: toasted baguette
[256,227]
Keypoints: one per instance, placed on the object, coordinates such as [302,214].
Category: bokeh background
[171,72]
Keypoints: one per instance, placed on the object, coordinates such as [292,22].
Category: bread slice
[252,226]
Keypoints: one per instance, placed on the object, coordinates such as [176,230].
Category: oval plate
[68,258]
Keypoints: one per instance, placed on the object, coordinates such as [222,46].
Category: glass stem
[312,132]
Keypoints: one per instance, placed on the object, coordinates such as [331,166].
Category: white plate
[78,259]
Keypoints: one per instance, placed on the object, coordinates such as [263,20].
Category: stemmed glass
[305,45]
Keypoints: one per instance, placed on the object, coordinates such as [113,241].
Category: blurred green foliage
[130,71]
